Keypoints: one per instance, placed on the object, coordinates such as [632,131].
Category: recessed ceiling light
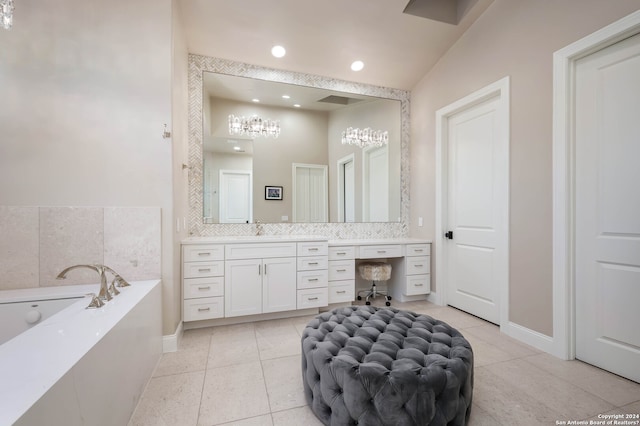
[236,148]
[278,51]
[296,105]
[357,65]
[285,96]
[255,100]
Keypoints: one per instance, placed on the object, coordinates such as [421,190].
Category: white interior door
[236,196]
[607,210]
[375,181]
[475,252]
[349,192]
[310,195]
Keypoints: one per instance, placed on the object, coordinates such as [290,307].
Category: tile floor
[249,375]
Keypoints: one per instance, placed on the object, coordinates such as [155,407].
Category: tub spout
[104,293]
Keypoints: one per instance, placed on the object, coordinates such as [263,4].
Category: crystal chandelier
[365,137]
[6,13]
[253,126]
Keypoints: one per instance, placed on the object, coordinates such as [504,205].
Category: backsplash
[38,242]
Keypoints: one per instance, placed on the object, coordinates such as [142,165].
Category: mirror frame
[199,64]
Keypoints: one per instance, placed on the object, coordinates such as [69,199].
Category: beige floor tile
[277,338]
[183,361]
[170,401]
[274,327]
[233,393]
[568,370]
[233,345]
[613,389]
[480,417]
[486,353]
[507,404]
[283,377]
[196,338]
[300,323]
[549,391]
[302,416]
[491,334]
[253,421]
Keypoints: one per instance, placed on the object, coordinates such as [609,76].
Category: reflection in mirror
[322,179]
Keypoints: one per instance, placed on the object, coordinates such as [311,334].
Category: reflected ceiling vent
[339,100]
[449,11]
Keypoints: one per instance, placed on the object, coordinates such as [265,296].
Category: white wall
[86,89]
[515,38]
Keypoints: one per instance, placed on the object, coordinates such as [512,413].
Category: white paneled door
[236,196]
[607,209]
[375,182]
[476,195]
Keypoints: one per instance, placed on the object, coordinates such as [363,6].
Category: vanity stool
[383,366]
[375,271]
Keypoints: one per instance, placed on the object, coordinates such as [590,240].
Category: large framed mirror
[318,179]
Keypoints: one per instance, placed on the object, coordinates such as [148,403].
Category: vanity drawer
[341,270]
[312,279]
[313,248]
[202,252]
[339,253]
[203,287]
[312,263]
[203,269]
[259,250]
[418,284]
[342,291]
[418,249]
[418,265]
[381,251]
[203,308]
[313,298]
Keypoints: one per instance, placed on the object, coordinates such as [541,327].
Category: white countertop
[377,241]
[44,293]
[32,362]
[288,238]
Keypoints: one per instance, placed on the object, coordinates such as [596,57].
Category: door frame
[351,158]
[564,232]
[498,89]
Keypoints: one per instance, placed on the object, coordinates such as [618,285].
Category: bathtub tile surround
[38,242]
[18,247]
[70,236]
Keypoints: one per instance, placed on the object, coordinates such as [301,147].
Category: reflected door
[310,193]
[236,192]
[375,181]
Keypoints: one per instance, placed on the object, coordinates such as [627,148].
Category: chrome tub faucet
[106,290]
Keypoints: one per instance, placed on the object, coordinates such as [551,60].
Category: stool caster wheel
[359,297]
[388,303]
[367,303]
[388,297]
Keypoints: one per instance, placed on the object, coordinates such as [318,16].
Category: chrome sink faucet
[104,293]
[259,229]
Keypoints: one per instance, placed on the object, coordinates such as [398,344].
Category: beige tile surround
[250,375]
[38,242]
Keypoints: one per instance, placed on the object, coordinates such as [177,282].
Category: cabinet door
[279,284]
[243,287]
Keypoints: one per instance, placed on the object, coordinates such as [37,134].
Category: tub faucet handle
[95,302]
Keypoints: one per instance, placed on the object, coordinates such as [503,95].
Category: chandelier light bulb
[253,126]
[365,137]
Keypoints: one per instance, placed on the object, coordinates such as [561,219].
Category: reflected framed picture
[273,193]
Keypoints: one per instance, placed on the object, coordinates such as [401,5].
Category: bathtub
[82,366]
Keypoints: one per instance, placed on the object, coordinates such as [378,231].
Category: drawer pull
[341,270]
[313,279]
[204,253]
[419,266]
[312,298]
[341,291]
[418,250]
[204,270]
[382,251]
[203,309]
[418,285]
[313,249]
[313,263]
[341,253]
[204,288]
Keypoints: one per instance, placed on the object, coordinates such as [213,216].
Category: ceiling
[325,37]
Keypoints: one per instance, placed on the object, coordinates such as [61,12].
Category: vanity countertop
[377,241]
[253,239]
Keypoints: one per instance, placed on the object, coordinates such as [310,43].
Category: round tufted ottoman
[383,366]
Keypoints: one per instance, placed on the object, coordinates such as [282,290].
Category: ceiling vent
[339,100]
[449,11]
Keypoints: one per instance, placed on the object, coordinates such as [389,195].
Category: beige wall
[513,38]
[86,89]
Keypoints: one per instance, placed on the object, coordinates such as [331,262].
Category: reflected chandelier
[365,137]
[6,14]
[253,126]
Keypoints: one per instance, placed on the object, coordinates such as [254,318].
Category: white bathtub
[83,366]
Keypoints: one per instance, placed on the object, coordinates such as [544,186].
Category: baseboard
[433,298]
[530,337]
[170,343]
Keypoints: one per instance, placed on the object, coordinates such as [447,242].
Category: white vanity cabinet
[203,282]
[417,270]
[257,280]
[342,274]
[312,275]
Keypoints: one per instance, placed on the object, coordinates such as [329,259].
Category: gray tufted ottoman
[383,366]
